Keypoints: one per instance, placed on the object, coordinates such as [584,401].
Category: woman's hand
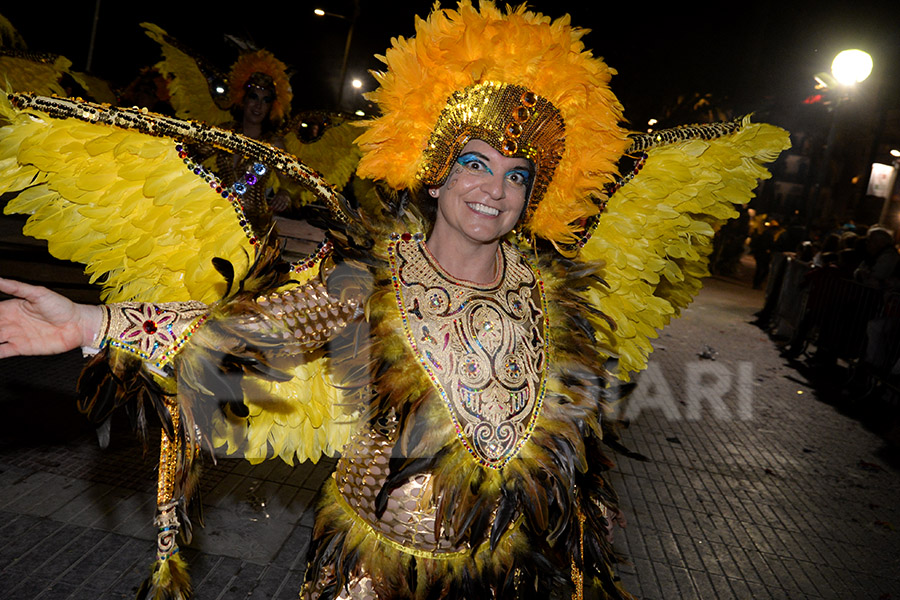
[280,202]
[39,321]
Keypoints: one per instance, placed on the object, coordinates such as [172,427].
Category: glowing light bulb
[851,66]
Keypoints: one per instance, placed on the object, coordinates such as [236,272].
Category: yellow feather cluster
[169,580]
[262,61]
[453,49]
[303,419]
[657,232]
[123,204]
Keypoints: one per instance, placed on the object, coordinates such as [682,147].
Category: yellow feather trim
[169,580]
[188,87]
[301,419]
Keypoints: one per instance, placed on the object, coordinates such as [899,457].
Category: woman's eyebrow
[527,170]
[475,153]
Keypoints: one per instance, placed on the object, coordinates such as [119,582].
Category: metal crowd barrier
[841,311]
[883,341]
[820,307]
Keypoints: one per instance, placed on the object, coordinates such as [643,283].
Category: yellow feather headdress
[262,61]
[528,70]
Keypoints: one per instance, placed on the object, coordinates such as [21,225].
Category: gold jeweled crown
[511,118]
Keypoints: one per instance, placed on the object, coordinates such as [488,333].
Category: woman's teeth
[484,209]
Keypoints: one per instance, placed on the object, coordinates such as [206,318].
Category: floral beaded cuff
[154,333]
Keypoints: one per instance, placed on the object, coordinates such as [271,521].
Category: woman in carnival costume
[260,99]
[253,98]
[455,338]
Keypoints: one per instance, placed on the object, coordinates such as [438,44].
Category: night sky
[750,58]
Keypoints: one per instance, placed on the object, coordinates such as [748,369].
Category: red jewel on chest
[150,327]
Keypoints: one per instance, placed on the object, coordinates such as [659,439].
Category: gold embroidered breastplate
[483,346]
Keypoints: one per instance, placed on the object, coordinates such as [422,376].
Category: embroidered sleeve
[152,332]
[294,321]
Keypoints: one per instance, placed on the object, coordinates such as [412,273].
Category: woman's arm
[40,321]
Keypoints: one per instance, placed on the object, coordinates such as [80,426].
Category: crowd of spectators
[833,303]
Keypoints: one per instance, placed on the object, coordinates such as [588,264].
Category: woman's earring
[433,192]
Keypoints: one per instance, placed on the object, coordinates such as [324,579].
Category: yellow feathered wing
[335,155]
[188,85]
[41,73]
[146,227]
[9,35]
[656,233]
[124,204]
[21,71]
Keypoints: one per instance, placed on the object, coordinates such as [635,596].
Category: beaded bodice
[243,171]
[483,347]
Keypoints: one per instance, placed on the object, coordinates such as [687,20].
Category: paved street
[754,486]
[772,493]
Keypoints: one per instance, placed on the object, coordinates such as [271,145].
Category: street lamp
[322,13]
[848,68]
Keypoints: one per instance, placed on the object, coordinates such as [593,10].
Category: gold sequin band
[38,57]
[706,131]
[149,123]
[577,574]
[168,456]
[152,332]
[166,506]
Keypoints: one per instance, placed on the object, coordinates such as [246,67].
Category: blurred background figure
[762,244]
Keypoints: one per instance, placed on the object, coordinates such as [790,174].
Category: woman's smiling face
[257,104]
[484,195]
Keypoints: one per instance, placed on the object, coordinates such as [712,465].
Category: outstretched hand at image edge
[38,321]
